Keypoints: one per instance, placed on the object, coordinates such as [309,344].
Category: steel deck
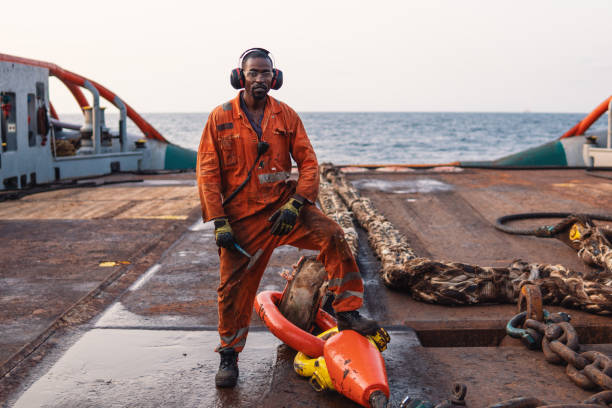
[142,334]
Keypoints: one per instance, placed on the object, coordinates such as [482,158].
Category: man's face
[257,77]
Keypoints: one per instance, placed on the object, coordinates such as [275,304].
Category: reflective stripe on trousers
[237,341]
[337,283]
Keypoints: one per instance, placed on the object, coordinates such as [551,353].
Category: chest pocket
[229,150]
[281,139]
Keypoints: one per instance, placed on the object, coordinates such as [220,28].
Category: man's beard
[259,92]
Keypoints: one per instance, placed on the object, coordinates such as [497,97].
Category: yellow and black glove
[224,235]
[285,217]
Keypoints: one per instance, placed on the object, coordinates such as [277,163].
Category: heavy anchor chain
[553,333]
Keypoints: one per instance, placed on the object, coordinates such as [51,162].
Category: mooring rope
[332,205]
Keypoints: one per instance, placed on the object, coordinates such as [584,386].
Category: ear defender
[237,76]
[277,79]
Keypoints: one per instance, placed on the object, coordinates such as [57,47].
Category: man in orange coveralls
[244,163]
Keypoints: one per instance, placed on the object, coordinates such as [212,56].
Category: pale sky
[429,55]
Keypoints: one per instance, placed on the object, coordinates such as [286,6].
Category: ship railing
[74,81]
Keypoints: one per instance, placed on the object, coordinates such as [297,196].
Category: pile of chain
[453,283]
[557,338]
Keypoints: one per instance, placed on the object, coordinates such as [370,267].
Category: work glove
[223,233]
[285,217]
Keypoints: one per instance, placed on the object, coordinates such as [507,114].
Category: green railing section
[546,155]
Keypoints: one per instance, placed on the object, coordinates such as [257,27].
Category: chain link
[558,340]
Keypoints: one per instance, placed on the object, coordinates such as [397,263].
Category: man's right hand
[223,234]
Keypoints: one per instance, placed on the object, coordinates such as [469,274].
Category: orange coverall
[227,151]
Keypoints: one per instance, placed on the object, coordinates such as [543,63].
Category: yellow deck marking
[108,264]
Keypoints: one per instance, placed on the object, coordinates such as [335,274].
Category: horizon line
[362,111]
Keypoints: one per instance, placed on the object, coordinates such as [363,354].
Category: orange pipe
[582,126]
[266,306]
[76,92]
[593,116]
[67,76]
[571,132]
[356,367]
[53,112]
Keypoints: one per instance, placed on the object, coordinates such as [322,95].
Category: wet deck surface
[147,338]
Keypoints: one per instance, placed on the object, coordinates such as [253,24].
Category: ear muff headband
[250,50]
[237,76]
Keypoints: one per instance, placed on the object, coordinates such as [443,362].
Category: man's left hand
[285,217]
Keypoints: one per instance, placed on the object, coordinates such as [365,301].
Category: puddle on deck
[422,186]
[145,368]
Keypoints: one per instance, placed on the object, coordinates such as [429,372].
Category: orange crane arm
[582,126]
[71,79]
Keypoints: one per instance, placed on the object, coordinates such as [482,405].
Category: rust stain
[160,208]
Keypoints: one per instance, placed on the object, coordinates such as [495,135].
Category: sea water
[395,137]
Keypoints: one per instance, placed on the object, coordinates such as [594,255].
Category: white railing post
[122,123]
[97,137]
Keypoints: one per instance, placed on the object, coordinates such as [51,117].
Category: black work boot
[352,320]
[227,376]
